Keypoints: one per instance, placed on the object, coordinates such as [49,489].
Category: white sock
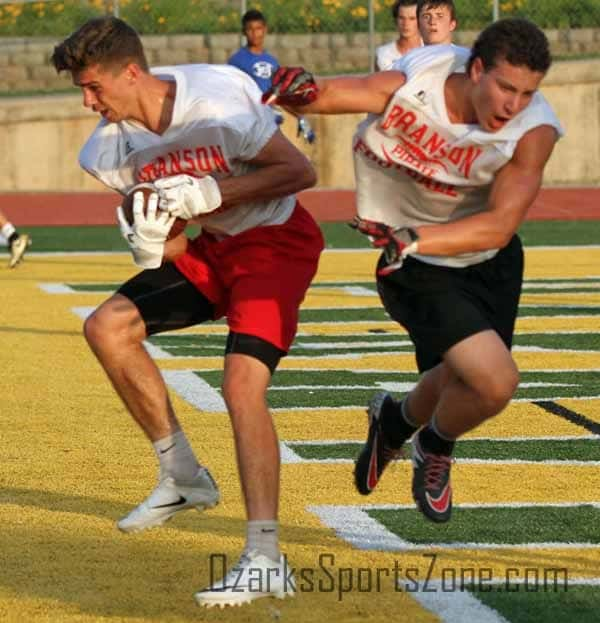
[176,457]
[263,537]
[8,230]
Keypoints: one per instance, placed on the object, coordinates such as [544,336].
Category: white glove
[186,196]
[148,234]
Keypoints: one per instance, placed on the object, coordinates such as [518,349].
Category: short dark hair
[396,6]
[106,41]
[515,40]
[434,4]
[253,15]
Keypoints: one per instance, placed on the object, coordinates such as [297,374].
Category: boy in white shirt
[404,13]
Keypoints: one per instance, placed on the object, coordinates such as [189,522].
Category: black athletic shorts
[167,301]
[440,306]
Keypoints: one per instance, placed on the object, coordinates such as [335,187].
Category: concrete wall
[24,63]
[40,137]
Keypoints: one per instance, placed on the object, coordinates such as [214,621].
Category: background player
[255,61]
[404,13]
[17,243]
[437,21]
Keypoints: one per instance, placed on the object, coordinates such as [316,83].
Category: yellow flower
[161,20]
[359,12]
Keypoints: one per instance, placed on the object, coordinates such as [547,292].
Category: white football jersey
[387,54]
[414,167]
[218,125]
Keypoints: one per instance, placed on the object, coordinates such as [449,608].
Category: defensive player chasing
[215,153]
[447,165]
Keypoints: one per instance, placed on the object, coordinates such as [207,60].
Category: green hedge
[58,18]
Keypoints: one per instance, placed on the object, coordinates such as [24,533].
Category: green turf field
[338,236]
[523,544]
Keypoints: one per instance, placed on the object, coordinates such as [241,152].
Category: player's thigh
[167,300]
[273,272]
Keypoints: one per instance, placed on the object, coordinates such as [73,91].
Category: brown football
[147,189]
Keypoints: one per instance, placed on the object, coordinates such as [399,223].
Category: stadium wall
[40,137]
[24,62]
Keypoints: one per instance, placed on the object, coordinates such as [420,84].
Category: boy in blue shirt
[253,59]
[259,64]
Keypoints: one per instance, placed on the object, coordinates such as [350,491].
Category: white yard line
[356,527]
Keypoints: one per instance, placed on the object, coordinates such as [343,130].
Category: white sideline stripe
[357,528]
[194,390]
[570,581]
[479,505]
[541,349]
[391,386]
[555,463]
[83,312]
[562,316]
[542,305]
[298,458]
[287,454]
[455,606]
[590,285]
[349,344]
[56,288]
[334,442]
[156,352]
[354,526]
[357,290]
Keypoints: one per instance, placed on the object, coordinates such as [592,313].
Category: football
[147,189]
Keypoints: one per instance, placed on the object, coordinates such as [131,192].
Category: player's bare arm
[365,94]
[368,94]
[281,170]
[513,192]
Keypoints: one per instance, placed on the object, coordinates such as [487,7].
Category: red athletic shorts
[258,278]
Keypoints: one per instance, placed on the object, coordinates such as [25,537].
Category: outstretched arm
[297,91]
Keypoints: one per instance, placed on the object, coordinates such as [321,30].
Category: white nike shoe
[18,248]
[170,497]
[253,577]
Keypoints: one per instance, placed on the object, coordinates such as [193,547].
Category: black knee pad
[256,347]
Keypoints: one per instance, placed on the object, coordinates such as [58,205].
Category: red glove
[396,242]
[291,86]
